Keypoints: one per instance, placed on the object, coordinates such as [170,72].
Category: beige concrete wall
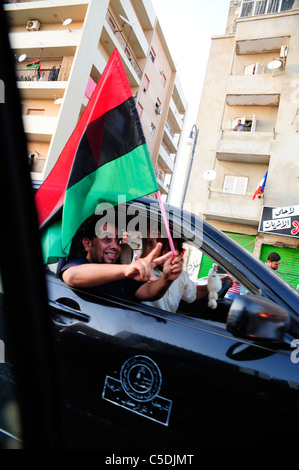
[209,120]
[156,91]
[224,76]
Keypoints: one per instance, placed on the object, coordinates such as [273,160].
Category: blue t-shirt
[124,288]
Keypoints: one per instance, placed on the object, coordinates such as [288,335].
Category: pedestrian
[273,260]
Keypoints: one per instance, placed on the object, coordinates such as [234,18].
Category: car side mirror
[257,318]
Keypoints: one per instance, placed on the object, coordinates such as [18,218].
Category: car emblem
[138,389]
[141,378]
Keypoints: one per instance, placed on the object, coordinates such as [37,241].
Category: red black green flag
[33,65]
[106,156]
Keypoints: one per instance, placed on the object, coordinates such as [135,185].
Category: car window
[197,264]
[192,257]
[201,249]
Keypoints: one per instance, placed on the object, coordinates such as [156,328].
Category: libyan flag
[33,65]
[105,157]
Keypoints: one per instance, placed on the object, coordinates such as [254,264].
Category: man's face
[105,248]
[274,264]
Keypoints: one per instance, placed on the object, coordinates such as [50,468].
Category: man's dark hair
[273,256]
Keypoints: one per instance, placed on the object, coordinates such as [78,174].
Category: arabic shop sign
[280,221]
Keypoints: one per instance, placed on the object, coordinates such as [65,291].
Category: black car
[140,377]
[87,372]
[137,377]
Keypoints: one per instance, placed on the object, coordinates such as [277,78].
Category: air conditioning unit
[33,25]
[158,110]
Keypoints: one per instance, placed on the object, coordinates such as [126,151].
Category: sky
[188,26]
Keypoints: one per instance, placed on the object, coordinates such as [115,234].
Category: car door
[152,379]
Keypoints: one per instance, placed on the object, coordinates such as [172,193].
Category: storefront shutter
[247,241]
[289,264]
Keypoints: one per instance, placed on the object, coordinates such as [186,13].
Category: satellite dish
[126,21]
[22,57]
[275,64]
[67,21]
[58,101]
[209,175]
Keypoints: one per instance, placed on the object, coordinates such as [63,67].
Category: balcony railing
[52,69]
[161,182]
[123,43]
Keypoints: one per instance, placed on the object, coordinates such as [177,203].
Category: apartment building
[253,76]
[72,41]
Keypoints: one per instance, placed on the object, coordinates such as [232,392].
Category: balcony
[52,69]
[245,147]
[253,64]
[252,99]
[175,117]
[39,128]
[46,11]
[39,90]
[261,89]
[165,160]
[230,208]
[109,42]
[270,45]
[124,42]
[163,186]
[56,43]
[170,138]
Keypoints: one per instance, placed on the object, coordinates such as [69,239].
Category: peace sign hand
[141,269]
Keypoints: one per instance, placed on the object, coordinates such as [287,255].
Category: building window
[146,83]
[249,123]
[152,55]
[286,5]
[163,79]
[158,109]
[261,7]
[254,69]
[235,185]
[248,8]
[152,129]
[273,6]
[139,109]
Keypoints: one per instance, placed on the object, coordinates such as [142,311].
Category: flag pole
[166,223]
